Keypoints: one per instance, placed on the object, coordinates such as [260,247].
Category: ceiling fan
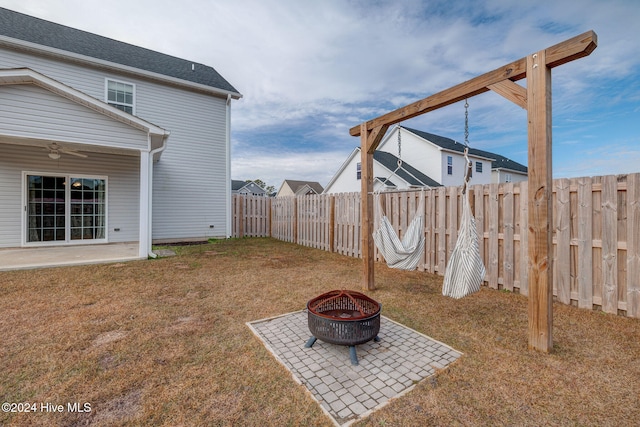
[55,149]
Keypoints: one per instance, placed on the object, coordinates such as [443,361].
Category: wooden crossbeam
[561,53]
[536,99]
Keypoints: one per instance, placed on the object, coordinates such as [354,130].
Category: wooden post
[366,178]
[332,223]
[369,141]
[241,216]
[537,99]
[269,217]
[295,219]
[540,203]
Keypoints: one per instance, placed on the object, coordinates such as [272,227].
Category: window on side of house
[479,167]
[449,165]
[359,171]
[508,177]
[121,95]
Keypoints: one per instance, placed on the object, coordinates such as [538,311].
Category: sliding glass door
[62,209]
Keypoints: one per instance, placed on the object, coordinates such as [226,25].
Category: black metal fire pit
[344,318]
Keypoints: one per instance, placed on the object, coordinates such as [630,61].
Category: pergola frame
[536,99]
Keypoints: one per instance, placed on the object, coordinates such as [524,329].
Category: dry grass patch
[164,342]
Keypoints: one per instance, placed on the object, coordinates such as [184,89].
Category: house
[290,187]
[420,145]
[387,174]
[105,142]
[247,187]
[427,160]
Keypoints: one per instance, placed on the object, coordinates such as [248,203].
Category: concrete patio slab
[57,256]
[347,393]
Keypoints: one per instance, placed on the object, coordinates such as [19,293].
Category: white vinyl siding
[122,173]
[191,182]
[29,111]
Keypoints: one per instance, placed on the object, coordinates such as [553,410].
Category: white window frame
[115,103]
[68,240]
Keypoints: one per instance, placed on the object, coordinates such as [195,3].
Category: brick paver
[387,368]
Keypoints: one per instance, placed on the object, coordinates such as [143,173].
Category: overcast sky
[310,70]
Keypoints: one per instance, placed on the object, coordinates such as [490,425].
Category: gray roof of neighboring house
[28,28]
[407,172]
[296,185]
[386,181]
[237,184]
[499,162]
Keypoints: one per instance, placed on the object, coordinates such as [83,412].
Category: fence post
[269,222]
[295,220]
[241,216]
[332,222]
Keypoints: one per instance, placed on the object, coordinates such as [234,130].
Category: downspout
[228,231]
[150,220]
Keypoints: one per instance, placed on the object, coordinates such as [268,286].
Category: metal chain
[399,147]
[466,123]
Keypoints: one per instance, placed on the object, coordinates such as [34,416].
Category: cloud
[311,70]
[274,167]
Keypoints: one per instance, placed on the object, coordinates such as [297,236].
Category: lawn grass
[164,342]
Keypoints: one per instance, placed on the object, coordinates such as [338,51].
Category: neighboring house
[387,175]
[244,187]
[437,161]
[102,141]
[290,187]
[421,147]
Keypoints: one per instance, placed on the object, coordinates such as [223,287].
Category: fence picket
[609,245]
[633,245]
[597,247]
[508,237]
[562,218]
[492,256]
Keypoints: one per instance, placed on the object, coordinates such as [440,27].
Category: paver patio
[387,369]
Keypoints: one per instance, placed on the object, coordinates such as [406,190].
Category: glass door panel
[87,208]
[56,213]
[46,209]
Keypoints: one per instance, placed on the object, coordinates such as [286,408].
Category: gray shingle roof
[28,28]
[498,161]
[297,185]
[407,172]
[237,184]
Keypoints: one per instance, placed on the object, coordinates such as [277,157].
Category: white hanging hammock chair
[465,269]
[402,254]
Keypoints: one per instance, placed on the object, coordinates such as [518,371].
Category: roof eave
[510,170]
[60,53]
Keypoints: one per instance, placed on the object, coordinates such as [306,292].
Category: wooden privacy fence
[596,227]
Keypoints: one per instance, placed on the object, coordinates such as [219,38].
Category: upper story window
[479,167]
[121,95]
[359,171]
[449,165]
[508,177]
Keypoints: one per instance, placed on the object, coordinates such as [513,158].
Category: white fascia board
[66,55]
[510,171]
[341,169]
